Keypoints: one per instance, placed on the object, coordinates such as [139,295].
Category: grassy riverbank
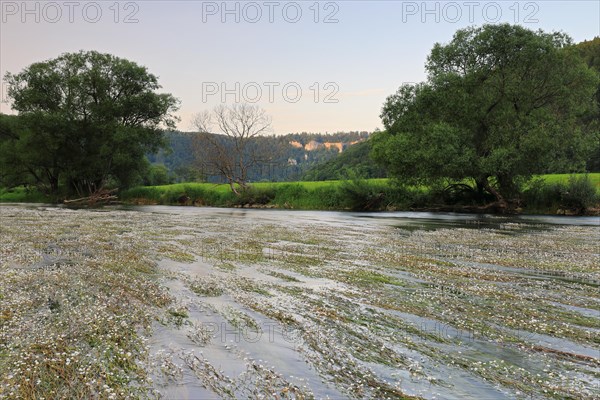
[547,194]
[550,193]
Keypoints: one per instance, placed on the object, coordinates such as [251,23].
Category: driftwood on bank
[103,197]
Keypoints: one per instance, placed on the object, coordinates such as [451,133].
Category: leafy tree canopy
[500,103]
[590,52]
[85,119]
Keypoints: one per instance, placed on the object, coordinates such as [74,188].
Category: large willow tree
[500,103]
[84,119]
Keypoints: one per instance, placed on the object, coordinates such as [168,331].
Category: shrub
[540,195]
[289,192]
[325,198]
[579,193]
[361,195]
[157,174]
[255,195]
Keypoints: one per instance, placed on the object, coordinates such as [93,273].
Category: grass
[564,179]
[556,193]
[322,195]
[23,195]
[372,194]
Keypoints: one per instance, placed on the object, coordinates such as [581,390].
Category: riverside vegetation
[556,193]
[550,194]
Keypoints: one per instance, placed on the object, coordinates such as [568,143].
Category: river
[301,304]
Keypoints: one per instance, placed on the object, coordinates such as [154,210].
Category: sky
[324,66]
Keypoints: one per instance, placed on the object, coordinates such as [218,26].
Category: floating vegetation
[117,304]
[283,276]
[205,287]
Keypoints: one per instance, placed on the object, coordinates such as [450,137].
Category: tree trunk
[480,191]
[501,201]
[233,189]
[53,182]
[54,185]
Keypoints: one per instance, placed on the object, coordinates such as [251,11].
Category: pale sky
[314,66]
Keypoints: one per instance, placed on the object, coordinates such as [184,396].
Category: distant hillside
[298,153]
[354,162]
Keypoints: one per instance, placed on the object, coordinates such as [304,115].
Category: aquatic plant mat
[159,302]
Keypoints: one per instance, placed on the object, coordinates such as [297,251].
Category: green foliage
[360,195]
[85,119]
[564,178]
[290,165]
[461,194]
[255,196]
[554,192]
[542,196]
[580,193]
[288,192]
[23,195]
[501,103]
[354,161]
[355,194]
[589,50]
[202,194]
[157,175]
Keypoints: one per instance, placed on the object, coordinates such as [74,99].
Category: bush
[325,198]
[157,175]
[462,194]
[542,196]
[361,195]
[255,195]
[289,192]
[579,193]
[401,197]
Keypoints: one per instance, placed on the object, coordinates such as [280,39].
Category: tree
[86,119]
[156,175]
[354,161]
[590,52]
[12,171]
[499,104]
[235,149]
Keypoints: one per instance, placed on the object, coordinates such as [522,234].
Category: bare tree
[226,144]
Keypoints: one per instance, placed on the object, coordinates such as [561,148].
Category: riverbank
[547,194]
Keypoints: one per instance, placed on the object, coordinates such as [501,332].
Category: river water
[313,304]
[430,364]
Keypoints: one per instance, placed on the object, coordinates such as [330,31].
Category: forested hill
[296,153]
[354,162]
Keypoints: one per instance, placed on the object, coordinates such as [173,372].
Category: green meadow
[544,194]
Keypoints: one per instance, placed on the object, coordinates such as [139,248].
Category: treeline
[354,162]
[177,162]
[345,137]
